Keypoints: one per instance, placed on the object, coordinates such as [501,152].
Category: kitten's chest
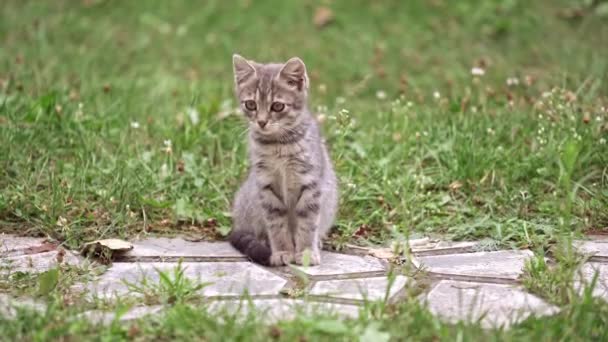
[285,173]
[285,168]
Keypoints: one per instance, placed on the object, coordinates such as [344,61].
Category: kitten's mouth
[266,129]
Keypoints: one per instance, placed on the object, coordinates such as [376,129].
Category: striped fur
[289,200]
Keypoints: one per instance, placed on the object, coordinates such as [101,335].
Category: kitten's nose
[262,123]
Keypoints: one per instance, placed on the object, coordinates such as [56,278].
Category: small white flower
[491,131]
[193,114]
[410,104]
[134,124]
[425,133]
[602,141]
[598,118]
[476,71]
[381,95]
[474,109]
[436,94]
[167,147]
[547,94]
[62,221]
[79,112]
[512,81]
[322,88]
[340,100]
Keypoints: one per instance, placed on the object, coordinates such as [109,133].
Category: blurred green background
[92,94]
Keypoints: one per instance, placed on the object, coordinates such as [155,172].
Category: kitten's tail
[247,243]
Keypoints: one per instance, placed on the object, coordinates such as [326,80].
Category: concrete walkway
[464,284]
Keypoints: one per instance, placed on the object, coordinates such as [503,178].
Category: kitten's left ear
[294,72]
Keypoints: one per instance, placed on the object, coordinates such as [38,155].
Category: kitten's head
[272,96]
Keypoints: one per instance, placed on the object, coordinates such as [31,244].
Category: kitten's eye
[251,105]
[277,107]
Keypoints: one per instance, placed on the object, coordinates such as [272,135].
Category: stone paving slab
[438,247]
[473,291]
[499,265]
[274,309]
[105,317]
[37,263]
[9,305]
[493,304]
[166,248]
[598,250]
[11,245]
[283,308]
[225,278]
[374,288]
[588,272]
[342,264]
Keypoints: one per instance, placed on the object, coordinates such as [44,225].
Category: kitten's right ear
[243,70]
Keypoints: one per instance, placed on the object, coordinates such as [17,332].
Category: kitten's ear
[242,69]
[294,72]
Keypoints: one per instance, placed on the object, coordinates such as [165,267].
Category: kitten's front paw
[308,258]
[281,258]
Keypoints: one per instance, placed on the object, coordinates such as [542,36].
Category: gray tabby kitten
[289,200]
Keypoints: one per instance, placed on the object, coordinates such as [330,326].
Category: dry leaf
[113,244]
[45,247]
[323,17]
[455,185]
[60,255]
[382,253]
[104,250]
[586,118]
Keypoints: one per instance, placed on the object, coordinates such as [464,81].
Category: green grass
[91,90]
[76,76]
[583,319]
[186,317]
